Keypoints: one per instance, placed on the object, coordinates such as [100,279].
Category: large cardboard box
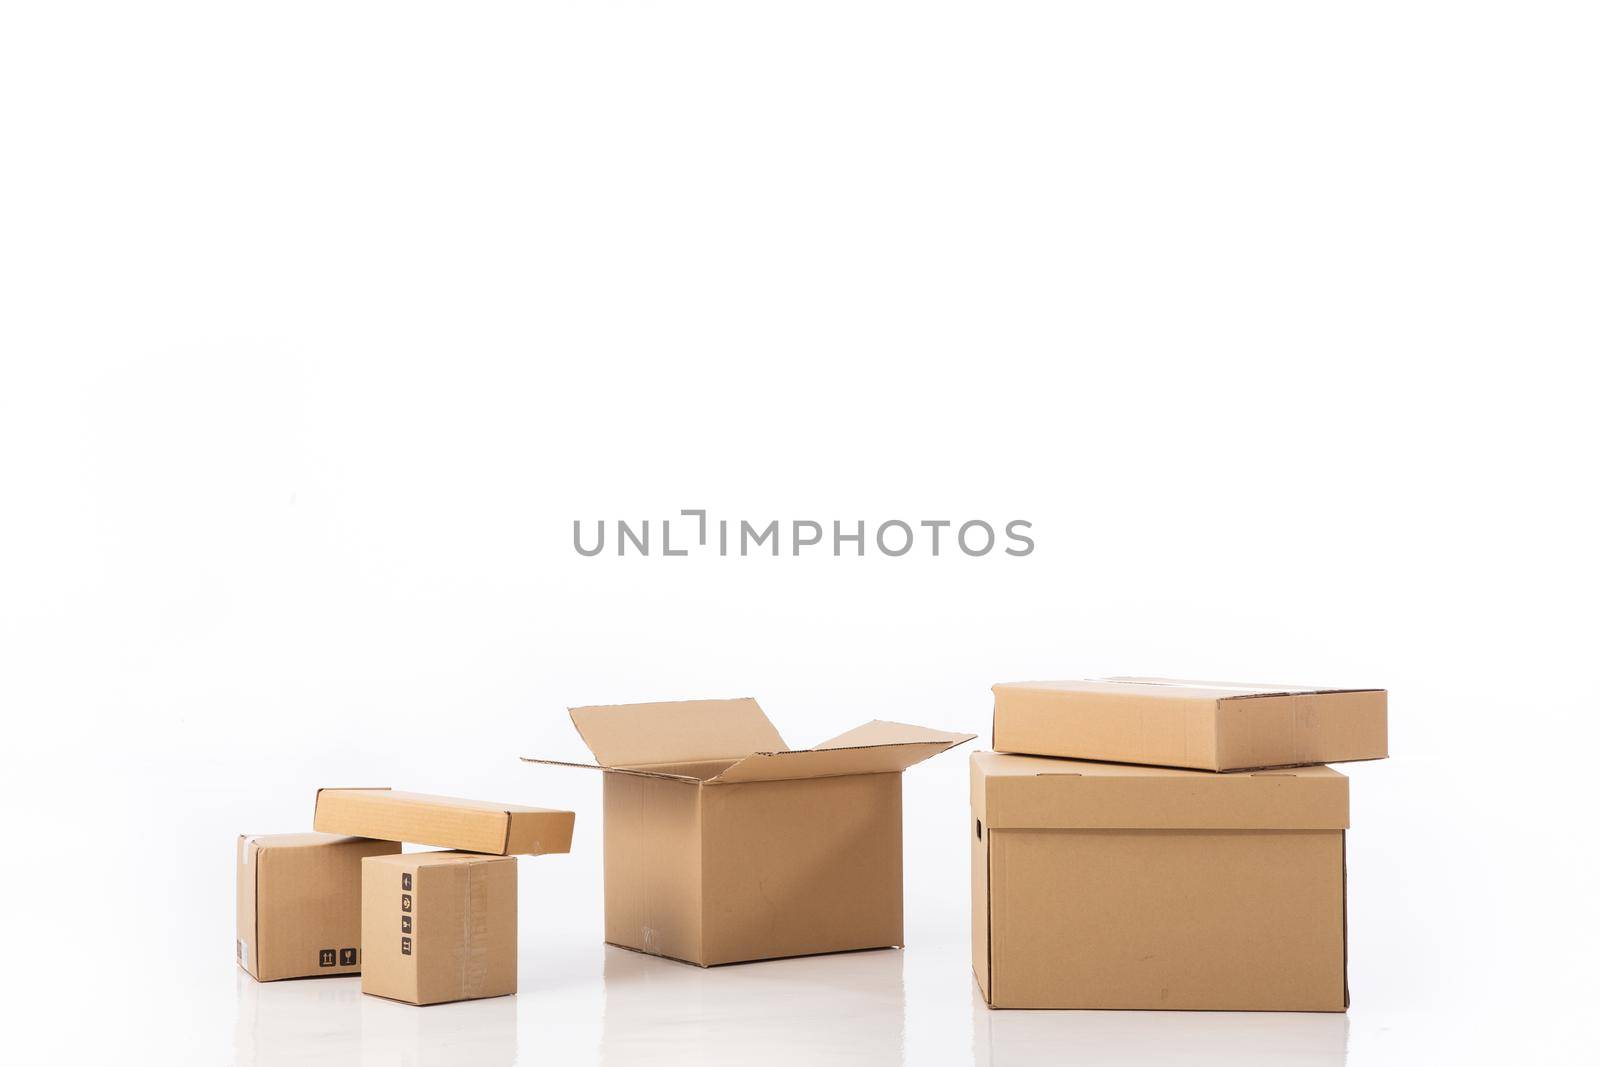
[299,903]
[1213,726]
[724,845]
[447,822]
[1103,885]
[439,926]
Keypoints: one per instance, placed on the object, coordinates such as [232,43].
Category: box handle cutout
[979,824]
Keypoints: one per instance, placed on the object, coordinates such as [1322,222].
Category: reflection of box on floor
[1102,885]
[722,845]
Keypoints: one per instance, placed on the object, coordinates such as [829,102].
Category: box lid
[1205,725]
[1011,792]
[448,822]
[1181,688]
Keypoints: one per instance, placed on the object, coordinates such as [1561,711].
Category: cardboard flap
[636,771]
[876,748]
[880,732]
[682,731]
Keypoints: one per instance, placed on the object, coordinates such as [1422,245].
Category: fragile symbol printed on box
[405,924]
[347,957]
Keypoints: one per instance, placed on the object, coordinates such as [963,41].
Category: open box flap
[682,731]
[876,748]
[881,732]
[636,771]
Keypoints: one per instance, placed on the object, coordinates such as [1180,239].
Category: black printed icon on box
[405,924]
[347,957]
[405,946]
[405,901]
[325,958]
[405,881]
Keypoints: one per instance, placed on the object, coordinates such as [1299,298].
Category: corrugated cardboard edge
[1344,907]
[988,919]
[1256,689]
[252,964]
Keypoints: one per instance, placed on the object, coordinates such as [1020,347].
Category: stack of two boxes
[420,927]
[1197,862]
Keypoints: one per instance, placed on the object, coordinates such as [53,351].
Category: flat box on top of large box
[1211,726]
[722,845]
[447,822]
[1104,885]
[299,903]
[439,926]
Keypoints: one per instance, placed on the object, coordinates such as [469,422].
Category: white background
[323,322]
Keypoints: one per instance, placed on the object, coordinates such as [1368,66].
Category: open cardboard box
[724,845]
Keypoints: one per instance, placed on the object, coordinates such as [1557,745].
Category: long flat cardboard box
[723,845]
[447,822]
[1213,726]
[1104,885]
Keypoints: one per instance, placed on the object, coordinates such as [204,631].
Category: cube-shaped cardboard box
[439,926]
[299,903]
[1103,885]
[1212,726]
[723,845]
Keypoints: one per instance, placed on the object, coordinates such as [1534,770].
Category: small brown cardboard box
[1103,885]
[1212,726]
[439,926]
[447,822]
[722,845]
[299,903]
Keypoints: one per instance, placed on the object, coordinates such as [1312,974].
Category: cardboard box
[723,845]
[447,822]
[1213,726]
[299,903]
[439,926]
[1104,885]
